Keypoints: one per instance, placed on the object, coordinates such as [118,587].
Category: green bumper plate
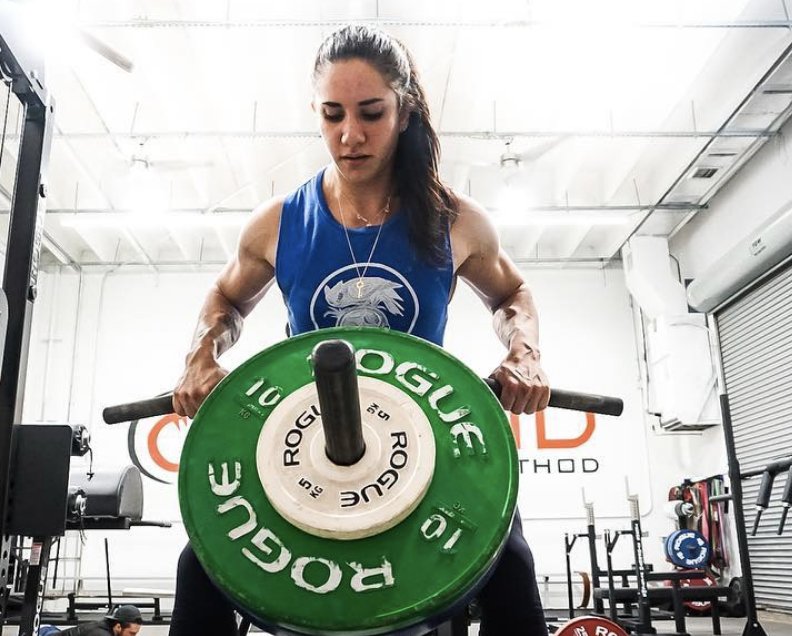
[279,574]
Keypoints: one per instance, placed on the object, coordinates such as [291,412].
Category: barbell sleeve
[161,405]
[335,375]
[601,404]
[574,401]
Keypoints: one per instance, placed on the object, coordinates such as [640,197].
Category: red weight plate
[708,581]
[590,626]
[699,606]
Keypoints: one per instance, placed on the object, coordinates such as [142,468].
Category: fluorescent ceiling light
[132,220]
[53,31]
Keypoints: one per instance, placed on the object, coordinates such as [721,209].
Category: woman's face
[359,119]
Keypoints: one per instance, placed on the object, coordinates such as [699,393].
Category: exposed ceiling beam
[52,246]
[224,244]
[572,240]
[550,262]
[530,244]
[384,22]
[190,265]
[137,245]
[61,255]
[97,112]
[182,242]
[447,83]
[100,243]
[731,171]
[594,207]
[740,160]
[85,169]
[485,135]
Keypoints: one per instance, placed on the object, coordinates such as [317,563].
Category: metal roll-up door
[755,333]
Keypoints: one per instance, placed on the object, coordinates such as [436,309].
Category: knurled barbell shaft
[335,375]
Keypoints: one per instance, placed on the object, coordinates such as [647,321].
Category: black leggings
[509,601]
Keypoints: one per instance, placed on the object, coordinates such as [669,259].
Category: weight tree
[22,70]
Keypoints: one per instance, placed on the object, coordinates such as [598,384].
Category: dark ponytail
[430,206]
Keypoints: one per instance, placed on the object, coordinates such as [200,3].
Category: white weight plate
[347,502]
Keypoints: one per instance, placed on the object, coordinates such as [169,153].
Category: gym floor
[774,625]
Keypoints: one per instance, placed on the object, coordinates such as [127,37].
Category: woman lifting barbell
[374,239]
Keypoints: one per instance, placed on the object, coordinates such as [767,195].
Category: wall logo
[382,298]
[551,463]
[154,446]
[542,441]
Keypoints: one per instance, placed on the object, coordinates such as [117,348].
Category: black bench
[141,598]
[674,593]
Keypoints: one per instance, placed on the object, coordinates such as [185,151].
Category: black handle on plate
[561,399]
[161,405]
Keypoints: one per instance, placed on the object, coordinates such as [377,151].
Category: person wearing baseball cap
[124,620]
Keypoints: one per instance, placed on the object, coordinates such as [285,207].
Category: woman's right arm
[239,287]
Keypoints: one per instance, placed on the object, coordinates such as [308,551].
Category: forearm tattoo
[223,331]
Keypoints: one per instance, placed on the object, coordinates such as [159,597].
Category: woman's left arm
[481,263]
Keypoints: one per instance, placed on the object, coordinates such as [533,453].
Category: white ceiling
[610,106]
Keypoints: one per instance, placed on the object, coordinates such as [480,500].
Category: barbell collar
[335,375]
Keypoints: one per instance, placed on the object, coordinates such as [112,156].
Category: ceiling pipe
[480,135]
[674,207]
[385,23]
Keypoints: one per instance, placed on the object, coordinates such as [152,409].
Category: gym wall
[127,335]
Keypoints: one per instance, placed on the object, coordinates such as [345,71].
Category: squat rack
[22,69]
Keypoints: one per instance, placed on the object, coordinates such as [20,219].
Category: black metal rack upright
[21,67]
[752,625]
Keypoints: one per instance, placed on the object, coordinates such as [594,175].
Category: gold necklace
[359,285]
[383,210]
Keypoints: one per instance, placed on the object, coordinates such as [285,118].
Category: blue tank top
[321,284]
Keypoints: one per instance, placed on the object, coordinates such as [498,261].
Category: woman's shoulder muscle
[472,233]
[259,237]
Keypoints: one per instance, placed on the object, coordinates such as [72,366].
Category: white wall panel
[133,329]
